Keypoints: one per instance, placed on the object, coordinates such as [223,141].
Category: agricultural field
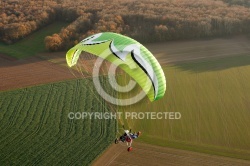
[207,82]
[32,44]
[35,128]
[202,46]
[212,95]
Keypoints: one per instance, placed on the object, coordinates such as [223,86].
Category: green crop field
[35,128]
[213,99]
[33,43]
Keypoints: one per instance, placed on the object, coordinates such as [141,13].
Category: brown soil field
[41,69]
[29,72]
[145,154]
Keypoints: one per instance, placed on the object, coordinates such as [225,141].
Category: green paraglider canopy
[129,55]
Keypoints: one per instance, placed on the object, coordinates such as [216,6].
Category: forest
[144,20]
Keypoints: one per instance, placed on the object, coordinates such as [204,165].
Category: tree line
[144,20]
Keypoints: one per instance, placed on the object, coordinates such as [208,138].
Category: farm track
[143,154]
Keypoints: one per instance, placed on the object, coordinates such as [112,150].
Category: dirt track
[144,154]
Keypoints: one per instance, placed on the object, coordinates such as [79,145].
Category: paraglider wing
[129,55]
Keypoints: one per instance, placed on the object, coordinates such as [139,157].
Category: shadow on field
[215,64]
